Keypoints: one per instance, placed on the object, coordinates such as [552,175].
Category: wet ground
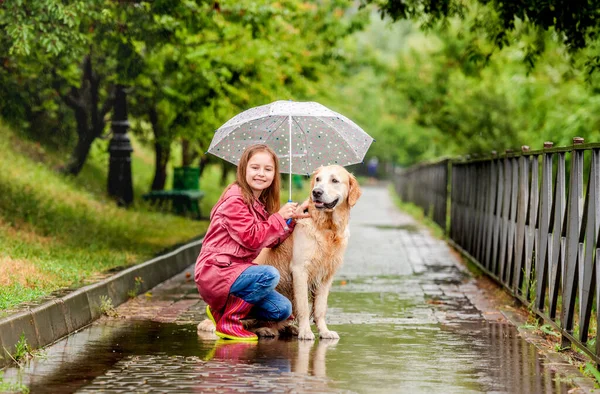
[409,316]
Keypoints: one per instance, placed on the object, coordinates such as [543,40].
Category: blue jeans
[256,285]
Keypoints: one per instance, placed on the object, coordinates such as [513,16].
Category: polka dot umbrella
[305,135]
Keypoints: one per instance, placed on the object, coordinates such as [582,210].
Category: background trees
[189,66]
[444,78]
[483,75]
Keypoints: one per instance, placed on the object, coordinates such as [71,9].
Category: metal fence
[426,186]
[528,221]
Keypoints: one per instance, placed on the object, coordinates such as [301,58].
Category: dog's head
[332,187]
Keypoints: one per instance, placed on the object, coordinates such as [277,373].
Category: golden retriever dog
[308,259]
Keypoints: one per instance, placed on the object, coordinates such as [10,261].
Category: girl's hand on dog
[302,211]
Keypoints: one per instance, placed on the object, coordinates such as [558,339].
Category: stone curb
[49,322]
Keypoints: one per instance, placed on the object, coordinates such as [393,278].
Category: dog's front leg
[300,280]
[320,309]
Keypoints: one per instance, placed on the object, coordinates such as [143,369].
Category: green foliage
[426,96]
[577,24]
[16,387]
[54,234]
[558,348]
[106,307]
[48,26]
[189,65]
[192,65]
[591,370]
[22,350]
[419,215]
[136,287]
[548,330]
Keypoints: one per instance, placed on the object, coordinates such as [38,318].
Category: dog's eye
[334,180]
[318,179]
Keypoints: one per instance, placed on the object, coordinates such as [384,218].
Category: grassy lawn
[61,232]
[58,232]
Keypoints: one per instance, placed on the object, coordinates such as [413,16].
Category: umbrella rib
[342,136]
[303,134]
[265,120]
[241,122]
[276,128]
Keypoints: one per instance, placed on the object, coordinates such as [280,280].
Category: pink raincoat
[236,235]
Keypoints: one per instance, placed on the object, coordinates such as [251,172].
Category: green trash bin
[186,178]
[297,181]
[186,187]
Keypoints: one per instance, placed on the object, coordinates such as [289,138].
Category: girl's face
[260,172]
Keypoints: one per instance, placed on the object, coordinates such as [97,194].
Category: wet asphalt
[409,315]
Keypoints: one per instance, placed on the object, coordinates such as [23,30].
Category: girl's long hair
[270,196]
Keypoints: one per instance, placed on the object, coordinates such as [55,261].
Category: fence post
[589,238]
[556,249]
[522,200]
[541,264]
[572,247]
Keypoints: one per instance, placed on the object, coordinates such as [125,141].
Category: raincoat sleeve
[279,240]
[250,232]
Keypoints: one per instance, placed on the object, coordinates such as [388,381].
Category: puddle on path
[391,341]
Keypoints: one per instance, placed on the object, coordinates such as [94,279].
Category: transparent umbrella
[305,136]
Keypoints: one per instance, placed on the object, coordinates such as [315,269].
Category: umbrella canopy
[304,135]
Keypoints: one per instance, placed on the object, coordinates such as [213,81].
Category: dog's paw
[266,332]
[206,331]
[291,329]
[306,335]
[206,326]
[329,335]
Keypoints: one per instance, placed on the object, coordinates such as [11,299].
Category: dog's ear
[354,192]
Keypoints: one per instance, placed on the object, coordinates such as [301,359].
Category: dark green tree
[576,23]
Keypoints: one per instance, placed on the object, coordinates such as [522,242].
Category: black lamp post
[120,185]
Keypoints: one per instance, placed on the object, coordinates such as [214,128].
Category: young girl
[246,219]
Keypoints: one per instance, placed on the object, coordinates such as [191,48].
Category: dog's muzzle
[320,204]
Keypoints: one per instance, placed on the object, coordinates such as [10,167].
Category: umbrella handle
[289,221]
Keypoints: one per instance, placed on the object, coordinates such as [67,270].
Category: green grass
[12,387]
[60,232]
[417,213]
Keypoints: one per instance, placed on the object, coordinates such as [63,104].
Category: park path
[410,316]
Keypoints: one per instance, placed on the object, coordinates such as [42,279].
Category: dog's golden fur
[308,259]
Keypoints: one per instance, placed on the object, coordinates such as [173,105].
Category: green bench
[184,199]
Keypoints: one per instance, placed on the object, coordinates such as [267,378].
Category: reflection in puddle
[393,355]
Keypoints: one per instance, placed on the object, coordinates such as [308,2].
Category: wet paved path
[410,319]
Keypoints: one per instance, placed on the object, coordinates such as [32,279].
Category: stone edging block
[49,322]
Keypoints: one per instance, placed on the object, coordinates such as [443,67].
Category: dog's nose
[317,193]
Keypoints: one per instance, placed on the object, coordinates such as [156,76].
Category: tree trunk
[204,161]
[160,172]
[226,169]
[186,153]
[88,116]
[83,146]
[162,152]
